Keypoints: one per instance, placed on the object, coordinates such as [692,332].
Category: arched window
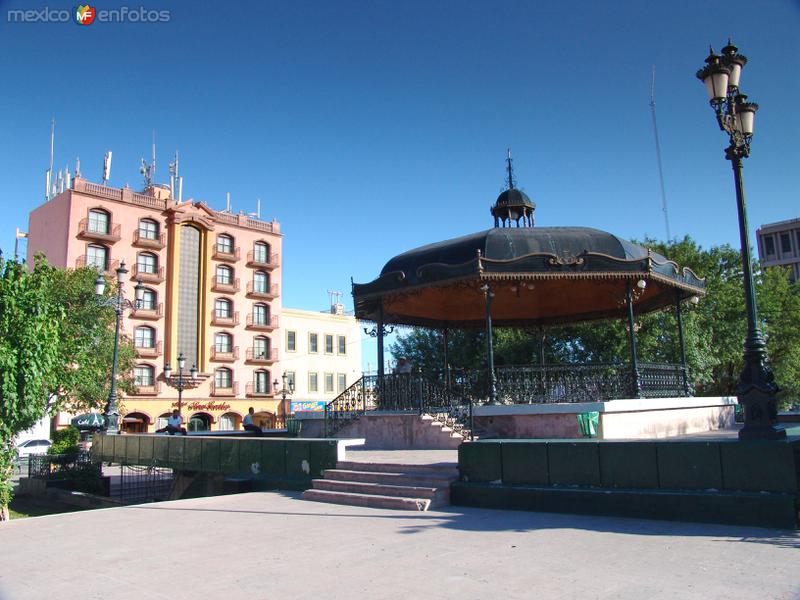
[148,229]
[223,342]
[144,337]
[199,422]
[261,252]
[143,375]
[261,282]
[260,314]
[149,299]
[223,378]
[224,275]
[261,381]
[223,308]
[228,422]
[161,421]
[225,244]
[261,347]
[146,262]
[99,221]
[97,256]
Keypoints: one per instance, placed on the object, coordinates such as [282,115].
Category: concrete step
[437,496]
[443,470]
[391,478]
[370,500]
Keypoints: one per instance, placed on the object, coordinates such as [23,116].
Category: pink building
[212,293]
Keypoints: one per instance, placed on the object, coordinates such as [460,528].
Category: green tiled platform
[723,481]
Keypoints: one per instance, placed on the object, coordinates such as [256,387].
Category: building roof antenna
[658,154]
[48,190]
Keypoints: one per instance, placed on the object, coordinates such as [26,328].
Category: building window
[261,381]
[97,256]
[148,230]
[328,344]
[199,422]
[341,382]
[223,343]
[222,378]
[223,308]
[260,314]
[291,341]
[143,375]
[149,298]
[769,245]
[227,422]
[313,382]
[98,221]
[260,282]
[144,337]
[329,383]
[290,379]
[261,252]
[342,342]
[312,343]
[225,244]
[786,244]
[224,275]
[261,347]
[146,263]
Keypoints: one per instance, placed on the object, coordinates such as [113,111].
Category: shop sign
[205,406]
[302,405]
[89,421]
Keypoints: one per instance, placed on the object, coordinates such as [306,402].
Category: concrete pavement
[274,545]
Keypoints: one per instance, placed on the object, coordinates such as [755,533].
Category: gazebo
[519,275]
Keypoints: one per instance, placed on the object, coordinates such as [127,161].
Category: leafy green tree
[30,321]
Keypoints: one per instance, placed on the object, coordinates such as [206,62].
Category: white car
[28,447]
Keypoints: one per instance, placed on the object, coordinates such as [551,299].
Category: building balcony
[232,256]
[110,235]
[156,243]
[111,266]
[151,314]
[260,261]
[225,391]
[269,292]
[149,351]
[221,321]
[230,355]
[147,390]
[138,274]
[260,356]
[256,390]
[265,324]
[230,286]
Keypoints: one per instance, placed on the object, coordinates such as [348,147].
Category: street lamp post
[180,382]
[119,303]
[756,389]
[286,390]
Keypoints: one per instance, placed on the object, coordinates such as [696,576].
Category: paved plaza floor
[275,545]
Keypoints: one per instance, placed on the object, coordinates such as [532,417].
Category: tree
[714,330]
[30,321]
[56,346]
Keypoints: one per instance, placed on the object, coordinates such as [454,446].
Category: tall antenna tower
[48,189]
[658,153]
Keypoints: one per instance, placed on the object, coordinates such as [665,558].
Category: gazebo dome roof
[514,197]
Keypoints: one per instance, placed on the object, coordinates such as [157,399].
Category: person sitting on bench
[247,422]
[174,424]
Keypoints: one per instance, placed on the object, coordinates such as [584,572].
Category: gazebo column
[445,348]
[489,295]
[684,370]
[379,329]
[636,383]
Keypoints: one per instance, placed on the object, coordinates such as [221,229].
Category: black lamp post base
[767,432]
[759,416]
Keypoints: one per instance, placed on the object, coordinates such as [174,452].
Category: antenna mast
[48,191]
[658,153]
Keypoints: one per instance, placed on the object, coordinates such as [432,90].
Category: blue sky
[369,128]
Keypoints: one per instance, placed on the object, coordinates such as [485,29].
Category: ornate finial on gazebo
[512,205]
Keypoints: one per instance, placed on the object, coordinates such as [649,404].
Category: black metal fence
[138,484]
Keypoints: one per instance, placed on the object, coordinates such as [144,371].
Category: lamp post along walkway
[180,382]
[119,303]
[756,389]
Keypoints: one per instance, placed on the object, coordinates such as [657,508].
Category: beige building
[212,294]
[321,354]
[779,245]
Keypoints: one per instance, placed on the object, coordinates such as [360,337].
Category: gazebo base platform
[649,418]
